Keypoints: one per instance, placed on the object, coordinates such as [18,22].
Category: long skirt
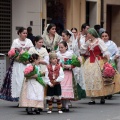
[69,87]
[32,94]
[94,83]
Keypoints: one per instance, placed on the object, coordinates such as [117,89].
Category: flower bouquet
[24,56]
[108,73]
[75,62]
[31,71]
[13,53]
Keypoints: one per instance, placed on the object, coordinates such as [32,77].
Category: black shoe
[29,111]
[37,111]
[109,97]
[65,110]
[91,103]
[102,101]
[40,109]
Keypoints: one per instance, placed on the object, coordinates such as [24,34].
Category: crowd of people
[57,79]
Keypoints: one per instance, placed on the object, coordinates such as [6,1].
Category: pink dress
[67,83]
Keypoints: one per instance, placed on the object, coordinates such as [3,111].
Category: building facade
[64,13]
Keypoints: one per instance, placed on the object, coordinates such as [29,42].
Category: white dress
[18,68]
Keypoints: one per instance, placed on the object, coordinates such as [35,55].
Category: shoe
[40,109]
[109,97]
[37,111]
[29,111]
[91,103]
[49,111]
[102,101]
[60,111]
[65,110]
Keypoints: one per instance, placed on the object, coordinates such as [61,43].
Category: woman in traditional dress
[68,85]
[112,48]
[50,38]
[94,83]
[14,77]
[32,94]
[41,51]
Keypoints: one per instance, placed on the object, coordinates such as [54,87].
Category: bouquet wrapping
[75,61]
[24,56]
[32,70]
[13,53]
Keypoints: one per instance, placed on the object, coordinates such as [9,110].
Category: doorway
[55,14]
[113,22]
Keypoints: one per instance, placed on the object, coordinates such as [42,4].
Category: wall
[24,11]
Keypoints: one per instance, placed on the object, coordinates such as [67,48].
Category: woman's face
[74,32]
[23,35]
[52,30]
[62,48]
[39,43]
[89,36]
[65,37]
[105,37]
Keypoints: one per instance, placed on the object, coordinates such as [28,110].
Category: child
[32,94]
[67,85]
[54,75]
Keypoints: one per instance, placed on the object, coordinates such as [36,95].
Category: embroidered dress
[94,83]
[51,45]
[32,94]
[112,48]
[42,52]
[14,77]
[68,85]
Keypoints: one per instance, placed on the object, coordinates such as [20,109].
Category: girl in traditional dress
[51,38]
[41,51]
[14,77]
[32,94]
[68,85]
[95,86]
[54,75]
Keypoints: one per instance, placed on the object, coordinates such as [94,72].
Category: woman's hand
[107,56]
[80,59]
[117,56]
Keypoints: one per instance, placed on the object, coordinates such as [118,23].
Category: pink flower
[108,70]
[12,52]
[28,69]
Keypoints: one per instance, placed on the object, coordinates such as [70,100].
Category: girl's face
[23,35]
[52,30]
[37,61]
[74,32]
[65,37]
[62,48]
[39,43]
[53,61]
[105,37]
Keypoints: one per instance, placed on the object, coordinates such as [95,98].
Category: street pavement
[80,110]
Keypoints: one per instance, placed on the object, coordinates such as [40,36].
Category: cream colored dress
[94,84]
